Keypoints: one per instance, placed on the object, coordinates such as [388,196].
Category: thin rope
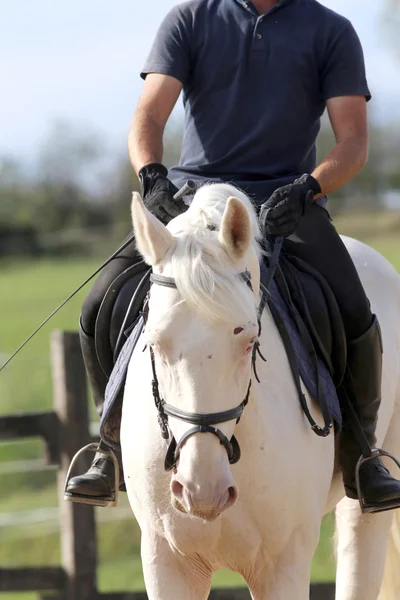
[189,187]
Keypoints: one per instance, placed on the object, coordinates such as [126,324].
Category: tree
[70,161]
[69,152]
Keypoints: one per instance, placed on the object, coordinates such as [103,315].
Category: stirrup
[93,500]
[384,506]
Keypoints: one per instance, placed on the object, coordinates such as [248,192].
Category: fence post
[77,522]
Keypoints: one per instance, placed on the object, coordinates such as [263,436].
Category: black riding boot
[97,378]
[378,489]
[97,485]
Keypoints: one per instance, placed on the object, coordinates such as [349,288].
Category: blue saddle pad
[114,390]
[305,363]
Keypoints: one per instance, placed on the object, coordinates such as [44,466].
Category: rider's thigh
[317,242]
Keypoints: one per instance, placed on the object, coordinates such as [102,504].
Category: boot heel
[374,508]
[93,500]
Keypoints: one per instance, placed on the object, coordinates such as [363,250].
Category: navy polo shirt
[255,86]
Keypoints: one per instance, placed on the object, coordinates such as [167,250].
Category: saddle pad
[318,308]
[111,416]
[305,363]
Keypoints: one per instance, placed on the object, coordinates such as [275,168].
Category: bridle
[203,423]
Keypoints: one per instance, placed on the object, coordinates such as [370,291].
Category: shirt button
[259,36]
[261,19]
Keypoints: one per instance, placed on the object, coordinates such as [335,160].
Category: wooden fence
[64,430]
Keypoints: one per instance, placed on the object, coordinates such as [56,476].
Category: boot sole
[382,507]
[91,500]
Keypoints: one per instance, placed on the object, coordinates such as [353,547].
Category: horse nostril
[233,493]
[177,489]
[233,496]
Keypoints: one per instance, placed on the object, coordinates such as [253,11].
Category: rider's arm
[348,116]
[166,71]
[158,98]
[345,90]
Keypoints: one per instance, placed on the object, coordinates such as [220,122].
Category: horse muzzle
[205,501]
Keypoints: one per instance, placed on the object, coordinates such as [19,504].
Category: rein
[204,423]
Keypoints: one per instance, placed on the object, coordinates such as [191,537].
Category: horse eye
[238,330]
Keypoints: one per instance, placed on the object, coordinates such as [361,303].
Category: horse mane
[205,276]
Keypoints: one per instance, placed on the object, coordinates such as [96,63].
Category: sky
[79,60]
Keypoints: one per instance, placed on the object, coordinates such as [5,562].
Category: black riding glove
[281,213]
[158,193]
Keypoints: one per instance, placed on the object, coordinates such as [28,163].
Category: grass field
[28,293]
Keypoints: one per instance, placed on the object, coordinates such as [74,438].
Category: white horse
[260,517]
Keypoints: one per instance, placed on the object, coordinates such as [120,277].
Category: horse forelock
[204,275]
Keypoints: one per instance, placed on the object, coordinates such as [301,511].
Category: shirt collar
[280,3]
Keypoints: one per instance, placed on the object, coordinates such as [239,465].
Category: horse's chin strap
[232,447]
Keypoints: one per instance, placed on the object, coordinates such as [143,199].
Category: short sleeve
[343,71]
[170,53]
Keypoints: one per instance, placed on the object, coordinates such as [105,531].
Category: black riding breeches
[93,300]
[317,242]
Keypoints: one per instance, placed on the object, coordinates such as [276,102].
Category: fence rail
[41,424]
[65,430]
[32,578]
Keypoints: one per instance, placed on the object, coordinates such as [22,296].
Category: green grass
[28,293]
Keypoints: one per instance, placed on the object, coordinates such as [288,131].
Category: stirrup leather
[93,500]
[384,506]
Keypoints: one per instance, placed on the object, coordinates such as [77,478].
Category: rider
[256,77]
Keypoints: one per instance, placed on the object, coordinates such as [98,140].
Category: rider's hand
[158,193]
[281,213]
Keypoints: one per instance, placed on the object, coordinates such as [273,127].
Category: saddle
[302,305]
[118,312]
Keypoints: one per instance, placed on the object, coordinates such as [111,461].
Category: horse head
[201,329]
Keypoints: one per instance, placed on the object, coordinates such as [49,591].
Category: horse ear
[153,240]
[235,231]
